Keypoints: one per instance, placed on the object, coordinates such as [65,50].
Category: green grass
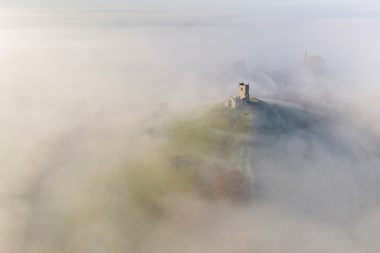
[209,135]
[204,140]
[254,100]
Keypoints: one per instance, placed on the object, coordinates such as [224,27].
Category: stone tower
[243,93]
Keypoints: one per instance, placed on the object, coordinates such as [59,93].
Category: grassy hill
[198,153]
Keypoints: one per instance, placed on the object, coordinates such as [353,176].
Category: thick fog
[79,89]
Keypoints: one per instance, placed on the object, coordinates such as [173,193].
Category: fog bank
[78,90]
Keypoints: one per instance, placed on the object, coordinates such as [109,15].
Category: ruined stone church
[241,98]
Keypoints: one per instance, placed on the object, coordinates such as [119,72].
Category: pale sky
[169,4]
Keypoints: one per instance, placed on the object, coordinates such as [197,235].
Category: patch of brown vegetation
[232,185]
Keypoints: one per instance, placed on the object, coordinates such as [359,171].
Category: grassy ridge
[188,153]
[212,131]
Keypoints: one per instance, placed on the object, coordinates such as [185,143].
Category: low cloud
[77,97]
